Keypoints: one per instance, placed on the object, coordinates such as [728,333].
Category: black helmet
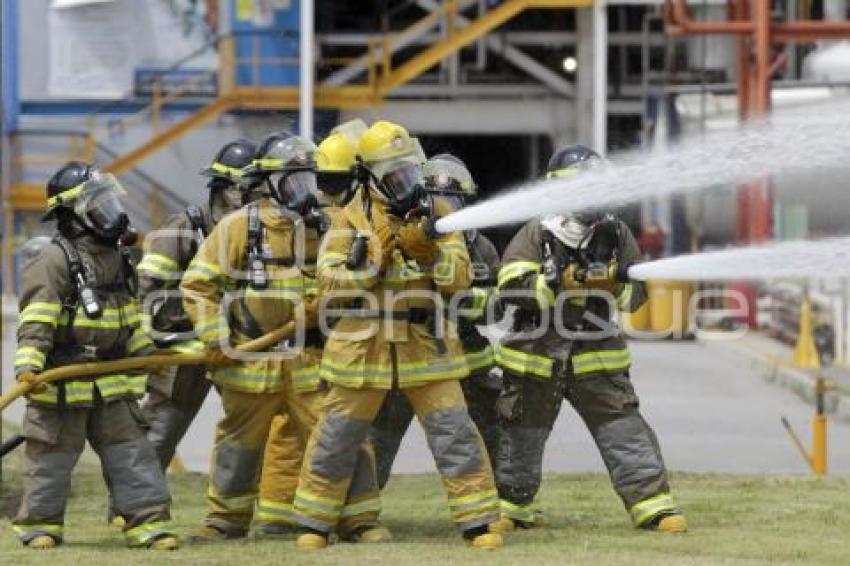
[230,160]
[570,160]
[70,177]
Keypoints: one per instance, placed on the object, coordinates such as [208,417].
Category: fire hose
[126,364]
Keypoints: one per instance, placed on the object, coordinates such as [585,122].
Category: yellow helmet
[337,153]
[384,141]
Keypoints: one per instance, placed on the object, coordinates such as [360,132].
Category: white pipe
[600,76]
[307,75]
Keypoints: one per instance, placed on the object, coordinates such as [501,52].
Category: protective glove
[569,278]
[573,277]
[30,377]
[217,358]
[415,243]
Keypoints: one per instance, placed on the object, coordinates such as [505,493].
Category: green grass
[734,520]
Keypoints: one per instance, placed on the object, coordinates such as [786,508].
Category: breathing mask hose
[357,252]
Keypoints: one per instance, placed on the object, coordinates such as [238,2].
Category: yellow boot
[502,525]
[506,524]
[312,541]
[373,535]
[42,542]
[118,521]
[486,541]
[672,524]
[165,543]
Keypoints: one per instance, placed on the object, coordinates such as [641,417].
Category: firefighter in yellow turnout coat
[390,335]
[77,305]
[253,274]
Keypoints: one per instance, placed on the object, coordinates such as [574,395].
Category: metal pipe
[600,76]
[307,69]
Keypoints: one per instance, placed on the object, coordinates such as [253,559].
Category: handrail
[96,146]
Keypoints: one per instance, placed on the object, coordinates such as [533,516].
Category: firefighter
[174,400]
[77,304]
[336,162]
[447,178]
[386,267]
[259,265]
[575,263]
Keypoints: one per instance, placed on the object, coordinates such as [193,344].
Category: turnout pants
[259,446]
[171,406]
[55,439]
[480,391]
[333,454]
[608,405]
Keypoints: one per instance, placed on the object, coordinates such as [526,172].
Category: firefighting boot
[312,540]
[371,534]
[479,538]
[42,542]
[506,524]
[209,533]
[675,523]
[117,521]
[166,542]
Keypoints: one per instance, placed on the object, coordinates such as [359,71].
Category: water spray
[802,141]
[797,259]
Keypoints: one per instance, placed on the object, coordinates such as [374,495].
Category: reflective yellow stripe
[142,535]
[480,359]
[66,196]
[475,502]
[222,168]
[524,363]
[158,265]
[604,360]
[562,173]
[188,347]
[29,356]
[306,378]
[515,270]
[138,341]
[517,512]
[48,313]
[248,378]
[316,505]
[274,512]
[625,296]
[650,508]
[372,504]
[24,530]
[203,270]
[478,304]
[408,373]
[543,293]
[267,163]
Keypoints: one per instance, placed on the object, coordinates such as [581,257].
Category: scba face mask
[402,187]
[296,189]
[99,208]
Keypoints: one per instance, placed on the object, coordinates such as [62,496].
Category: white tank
[829,63]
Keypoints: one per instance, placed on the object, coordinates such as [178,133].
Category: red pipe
[679,22]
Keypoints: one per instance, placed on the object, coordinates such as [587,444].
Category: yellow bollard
[805,353]
[819,428]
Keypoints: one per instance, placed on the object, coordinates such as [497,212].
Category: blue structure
[9,64]
[269,43]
